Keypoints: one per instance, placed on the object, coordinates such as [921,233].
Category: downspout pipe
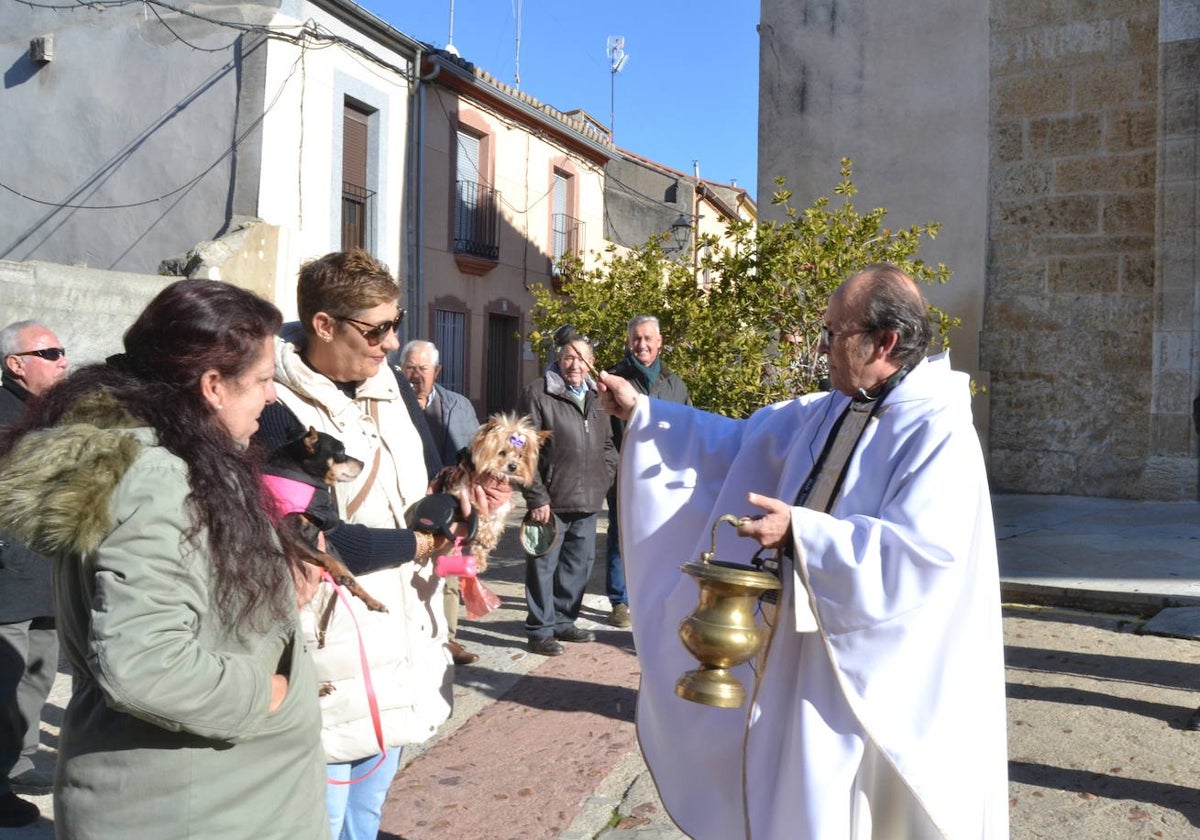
[416,193]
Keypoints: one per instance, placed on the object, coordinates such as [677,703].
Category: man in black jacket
[34,360]
[575,469]
[644,368]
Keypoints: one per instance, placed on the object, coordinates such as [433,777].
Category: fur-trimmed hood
[56,484]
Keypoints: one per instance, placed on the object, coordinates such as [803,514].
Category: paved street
[545,748]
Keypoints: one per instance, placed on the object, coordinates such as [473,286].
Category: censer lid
[734,574]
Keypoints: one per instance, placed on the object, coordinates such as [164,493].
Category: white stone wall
[88,309]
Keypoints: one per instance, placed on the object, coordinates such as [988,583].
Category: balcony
[566,238]
[476,227]
[358,210]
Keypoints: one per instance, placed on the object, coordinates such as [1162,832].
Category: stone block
[1180,112]
[1108,173]
[1117,313]
[1064,246]
[1114,478]
[1180,64]
[1141,33]
[1086,275]
[1178,305]
[1064,42]
[1177,270]
[1173,350]
[1179,160]
[1033,94]
[1114,85]
[1032,311]
[1173,397]
[1137,272]
[1012,280]
[1179,206]
[1009,15]
[1008,141]
[1021,180]
[1167,478]
[1130,213]
[1017,470]
[1077,134]
[1132,129]
[1051,215]
[1140,9]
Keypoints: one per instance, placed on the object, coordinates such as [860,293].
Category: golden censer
[722,632]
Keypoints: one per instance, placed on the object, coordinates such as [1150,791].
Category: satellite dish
[453,50]
[616,52]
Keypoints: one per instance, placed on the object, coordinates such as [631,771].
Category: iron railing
[476,220]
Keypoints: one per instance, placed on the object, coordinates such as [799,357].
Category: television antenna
[450,48]
[617,58]
[517,47]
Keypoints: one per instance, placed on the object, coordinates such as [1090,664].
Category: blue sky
[688,90]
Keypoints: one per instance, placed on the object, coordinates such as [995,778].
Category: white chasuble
[886,722]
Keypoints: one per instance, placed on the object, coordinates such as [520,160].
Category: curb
[1142,604]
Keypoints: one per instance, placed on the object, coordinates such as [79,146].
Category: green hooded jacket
[167,733]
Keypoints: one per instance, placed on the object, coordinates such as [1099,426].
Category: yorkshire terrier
[505,449]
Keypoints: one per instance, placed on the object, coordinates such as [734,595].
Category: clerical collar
[883,390]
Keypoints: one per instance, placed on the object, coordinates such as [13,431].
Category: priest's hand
[617,395]
[771,529]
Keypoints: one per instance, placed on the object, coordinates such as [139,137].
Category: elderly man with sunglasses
[34,361]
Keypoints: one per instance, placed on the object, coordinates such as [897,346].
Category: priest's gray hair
[893,302]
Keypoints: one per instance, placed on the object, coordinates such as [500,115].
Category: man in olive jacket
[34,360]
[575,469]
[644,368]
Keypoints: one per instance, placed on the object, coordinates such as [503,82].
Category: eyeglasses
[827,335]
[375,333]
[417,368]
[50,354]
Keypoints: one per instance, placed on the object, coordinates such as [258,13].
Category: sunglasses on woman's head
[375,333]
[50,354]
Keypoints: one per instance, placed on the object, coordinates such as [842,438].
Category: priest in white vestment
[878,708]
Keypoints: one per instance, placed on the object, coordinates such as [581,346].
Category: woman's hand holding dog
[483,500]
[307,578]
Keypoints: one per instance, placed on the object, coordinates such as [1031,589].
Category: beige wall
[521,169]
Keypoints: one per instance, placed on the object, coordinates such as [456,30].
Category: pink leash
[372,702]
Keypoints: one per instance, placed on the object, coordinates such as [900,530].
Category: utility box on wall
[41,50]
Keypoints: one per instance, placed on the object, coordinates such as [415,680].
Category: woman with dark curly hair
[194,711]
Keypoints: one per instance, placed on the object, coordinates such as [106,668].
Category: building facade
[150,129]
[507,185]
